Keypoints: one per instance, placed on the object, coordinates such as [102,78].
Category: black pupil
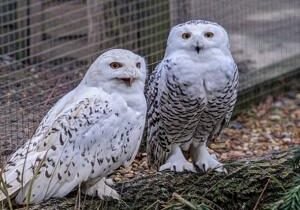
[115,65]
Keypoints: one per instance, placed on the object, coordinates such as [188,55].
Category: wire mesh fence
[46,46]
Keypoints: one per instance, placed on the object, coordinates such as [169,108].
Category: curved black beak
[128,81]
[198,48]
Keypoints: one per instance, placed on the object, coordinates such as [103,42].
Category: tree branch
[265,178]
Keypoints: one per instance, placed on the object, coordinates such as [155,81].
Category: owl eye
[209,34]
[186,35]
[138,65]
[115,65]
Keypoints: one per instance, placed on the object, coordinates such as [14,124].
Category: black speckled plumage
[174,116]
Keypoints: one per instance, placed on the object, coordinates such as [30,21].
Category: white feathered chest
[202,78]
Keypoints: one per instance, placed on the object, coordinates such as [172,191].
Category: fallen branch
[250,184]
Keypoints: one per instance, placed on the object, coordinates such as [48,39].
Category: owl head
[117,69]
[197,37]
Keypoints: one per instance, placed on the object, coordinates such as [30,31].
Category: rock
[275,117]
[129,175]
[287,139]
[291,94]
[236,154]
[236,125]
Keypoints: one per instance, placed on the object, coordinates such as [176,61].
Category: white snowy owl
[87,135]
[190,96]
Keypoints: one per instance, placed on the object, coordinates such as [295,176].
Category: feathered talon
[177,162]
[102,189]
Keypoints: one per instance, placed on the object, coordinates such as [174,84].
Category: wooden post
[153,30]
[35,8]
[96,27]
[22,24]
[180,11]
[128,33]
[109,26]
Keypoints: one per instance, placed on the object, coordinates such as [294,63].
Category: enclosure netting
[46,46]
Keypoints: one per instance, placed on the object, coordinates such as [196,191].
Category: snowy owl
[87,135]
[190,96]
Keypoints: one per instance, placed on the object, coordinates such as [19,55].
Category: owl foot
[204,161]
[102,189]
[177,162]
[210,163]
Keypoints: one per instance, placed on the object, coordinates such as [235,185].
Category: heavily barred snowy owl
[88,134]
[191,96]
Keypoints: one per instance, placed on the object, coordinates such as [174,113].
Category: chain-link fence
[46,46]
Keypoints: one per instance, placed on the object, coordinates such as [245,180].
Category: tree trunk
[250,184]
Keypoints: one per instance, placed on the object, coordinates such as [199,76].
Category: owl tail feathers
[157,154]
[16,177]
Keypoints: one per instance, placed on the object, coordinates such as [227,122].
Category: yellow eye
[209,34]
[138,65]
[186,35]
[115,65]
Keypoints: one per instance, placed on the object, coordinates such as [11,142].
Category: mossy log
[257,183]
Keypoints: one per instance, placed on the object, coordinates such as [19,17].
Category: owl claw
[177,162]
[102,190]
[204,161]
[178,166]
[109,182]
[214,156]
[210,163]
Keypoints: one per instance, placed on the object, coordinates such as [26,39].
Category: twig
[34,176]
[207,200]
[152,205]
[273,178]
[4,190]
[78,198]
[184,201]
[261,194]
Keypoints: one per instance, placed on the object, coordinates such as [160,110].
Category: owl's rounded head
[197,36]
[117,68]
